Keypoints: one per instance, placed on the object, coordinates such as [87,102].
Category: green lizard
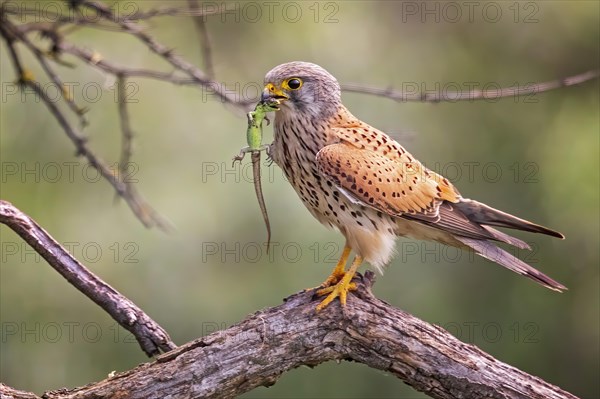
[255,146]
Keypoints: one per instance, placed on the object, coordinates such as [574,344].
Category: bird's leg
[342,287]
[337,273]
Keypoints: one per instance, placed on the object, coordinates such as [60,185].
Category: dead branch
[165,52]
[7,392]
[124,188]
[205,46]
[126,131]
[21,11]
[258,350]
[472,95]
[14,33]
[151,336]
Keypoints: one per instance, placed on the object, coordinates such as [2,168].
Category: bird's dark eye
[294,83]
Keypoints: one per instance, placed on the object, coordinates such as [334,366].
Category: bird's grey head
[302,87]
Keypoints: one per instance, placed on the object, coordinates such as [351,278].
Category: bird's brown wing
[392,181]
[374,170]
[388,185]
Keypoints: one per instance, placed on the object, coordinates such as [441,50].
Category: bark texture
[258,350]
[149,334]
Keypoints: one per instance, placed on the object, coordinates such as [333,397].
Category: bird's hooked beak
[273,94]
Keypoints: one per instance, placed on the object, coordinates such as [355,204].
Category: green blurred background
[536,157]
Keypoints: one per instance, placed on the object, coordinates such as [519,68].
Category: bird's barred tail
[490,251]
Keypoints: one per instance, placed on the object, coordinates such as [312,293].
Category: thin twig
[88,19]
[200,22]
[195,75]
[9,38]
[126,132]
[138,205]
[452,96]
[151,336]
[167,54]
[96,60]
[212,87]
[125,189]
[69,99]
[177,12]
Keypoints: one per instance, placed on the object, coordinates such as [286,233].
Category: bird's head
[302,87]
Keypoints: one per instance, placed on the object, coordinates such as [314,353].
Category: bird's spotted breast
[295,148]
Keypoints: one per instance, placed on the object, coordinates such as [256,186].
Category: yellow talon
[334,292]
[341,288]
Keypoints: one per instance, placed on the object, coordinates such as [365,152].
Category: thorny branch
[56,27]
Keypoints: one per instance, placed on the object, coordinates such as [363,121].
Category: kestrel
[357,179]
